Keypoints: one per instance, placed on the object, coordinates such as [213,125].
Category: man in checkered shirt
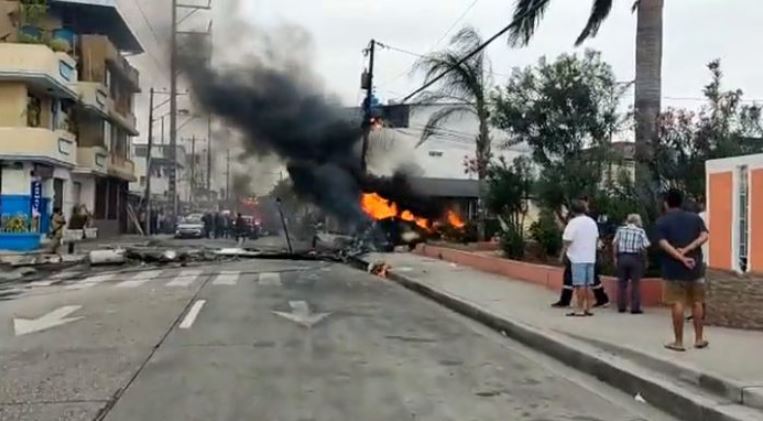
[629,248]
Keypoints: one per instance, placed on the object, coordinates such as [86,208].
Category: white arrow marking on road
[226,278]
[139,279]
[184,279]
[301,314]
[270,279]
[56,317]
[192,314]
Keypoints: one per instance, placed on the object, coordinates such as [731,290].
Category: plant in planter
[59,45]
[32,13]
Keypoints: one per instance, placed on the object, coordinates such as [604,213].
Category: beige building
[66,112]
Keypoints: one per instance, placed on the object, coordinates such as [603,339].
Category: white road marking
[301,314]
[226,277]
[270,279]
[45,283]
[56,317]
[91,281]
[139,279]
[185,278]
[192,314]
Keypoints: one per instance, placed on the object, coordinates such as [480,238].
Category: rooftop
[98,17]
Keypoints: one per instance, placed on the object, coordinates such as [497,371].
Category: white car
[190,227]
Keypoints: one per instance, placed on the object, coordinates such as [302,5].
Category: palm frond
[440,117]
[599,11]
[527,15]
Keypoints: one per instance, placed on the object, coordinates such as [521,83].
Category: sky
[695,32]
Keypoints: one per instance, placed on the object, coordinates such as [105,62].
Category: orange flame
[455,220]
[380,208]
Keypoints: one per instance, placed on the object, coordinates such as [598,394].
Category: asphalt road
[275,341]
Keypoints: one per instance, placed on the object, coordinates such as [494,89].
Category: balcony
[98,49]
[92,160]
[122,168]
[57,147]
[38,65]
[94,97]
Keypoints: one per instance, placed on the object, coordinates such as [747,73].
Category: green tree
[508,197]
[565,111]
[463,90]
[648,86]
[723,127]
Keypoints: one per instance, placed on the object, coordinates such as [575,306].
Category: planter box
[735,300]
[20,242]
[73,236]
[551,277]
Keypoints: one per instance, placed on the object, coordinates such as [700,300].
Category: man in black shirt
[681,235]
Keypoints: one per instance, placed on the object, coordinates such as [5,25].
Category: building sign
[100,160]
[36,198]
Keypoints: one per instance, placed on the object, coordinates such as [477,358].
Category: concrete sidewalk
[729,372]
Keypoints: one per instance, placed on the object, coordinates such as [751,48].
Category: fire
[455,220]
[377,207]
[380,208]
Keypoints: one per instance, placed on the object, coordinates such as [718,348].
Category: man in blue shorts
[580,237]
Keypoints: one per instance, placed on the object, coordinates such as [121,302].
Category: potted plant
[32,13]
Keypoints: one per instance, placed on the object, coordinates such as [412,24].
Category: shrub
[513,243]
[547,233]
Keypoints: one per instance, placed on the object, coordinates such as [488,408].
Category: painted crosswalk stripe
[91,281]
[270,279]
[192,314]
[185,278]
[226,278]
[139,279]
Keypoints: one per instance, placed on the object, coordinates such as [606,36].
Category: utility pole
[227,179]
[368,84]
[173,116]
[147,197]
[193,167]
[209,153]
[192,8]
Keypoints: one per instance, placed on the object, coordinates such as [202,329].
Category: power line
[474,52]
[460,18]
[159,67]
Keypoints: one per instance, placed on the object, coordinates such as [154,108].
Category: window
[142,180]
[744,222]
[141,151]
[107,135]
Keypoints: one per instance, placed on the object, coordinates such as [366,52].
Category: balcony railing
[122,168]
[37,61]
[95,159]
[57,147]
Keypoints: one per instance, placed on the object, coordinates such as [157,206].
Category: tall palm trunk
[648,86]
[483,160]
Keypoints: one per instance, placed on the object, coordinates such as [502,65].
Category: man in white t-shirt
[580,237]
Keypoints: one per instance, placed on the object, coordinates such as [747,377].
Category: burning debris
[379,268]
[278,110]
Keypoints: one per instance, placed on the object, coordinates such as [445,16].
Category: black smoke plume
[279,112]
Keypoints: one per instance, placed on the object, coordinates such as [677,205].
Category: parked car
[190,226]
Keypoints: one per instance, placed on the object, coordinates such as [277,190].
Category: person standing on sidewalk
[57,224]
[681,235]
[629,251]
[580,237]
[565,297]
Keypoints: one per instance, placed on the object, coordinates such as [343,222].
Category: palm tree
[463,91]
[648,86]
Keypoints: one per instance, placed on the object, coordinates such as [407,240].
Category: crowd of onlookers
[679,235]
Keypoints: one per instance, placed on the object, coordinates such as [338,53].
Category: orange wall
[756,220]
[721,187]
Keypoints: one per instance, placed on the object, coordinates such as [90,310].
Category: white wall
[87,192]
[17,181]
[392,148]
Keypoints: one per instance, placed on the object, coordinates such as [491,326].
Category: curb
[617,372]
